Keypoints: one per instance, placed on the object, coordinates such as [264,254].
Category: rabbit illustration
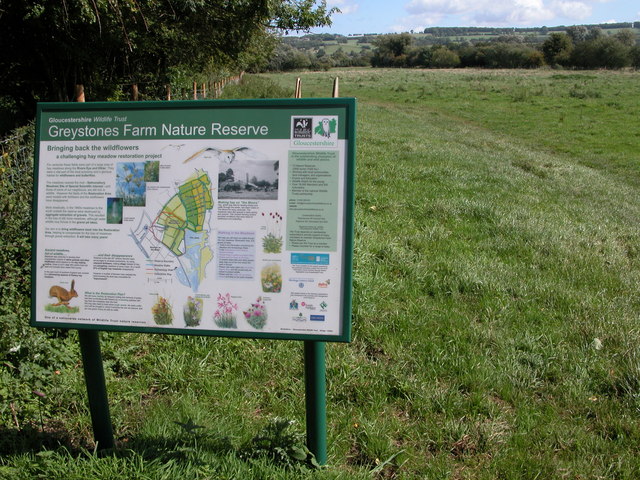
[62,294]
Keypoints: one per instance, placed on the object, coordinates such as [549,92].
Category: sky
[389,16]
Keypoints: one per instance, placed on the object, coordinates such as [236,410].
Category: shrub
[29,358]
[392,50]
[442,57]
[419,57]
[557,49]
[602,52]
[511,55]
[16,184]
[634,55]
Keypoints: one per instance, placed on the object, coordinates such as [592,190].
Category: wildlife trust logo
[302,127]
[316,131]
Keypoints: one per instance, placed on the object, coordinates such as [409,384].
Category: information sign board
[222,217]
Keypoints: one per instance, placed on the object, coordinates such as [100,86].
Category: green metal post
[316,401]
[96,388]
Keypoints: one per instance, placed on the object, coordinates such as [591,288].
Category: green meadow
[496,316]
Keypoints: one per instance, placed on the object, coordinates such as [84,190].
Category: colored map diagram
[181,227]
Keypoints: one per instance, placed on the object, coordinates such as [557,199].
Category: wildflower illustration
[162,312]
[256,314]
[225,315]
[130,183]
[271,278]
[192,312]
[152,171]
[272,241]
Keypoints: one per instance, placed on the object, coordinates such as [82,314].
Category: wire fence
[199,91]
[16,149]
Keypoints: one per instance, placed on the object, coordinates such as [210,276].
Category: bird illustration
[174,146]
[326,127]
[228,156]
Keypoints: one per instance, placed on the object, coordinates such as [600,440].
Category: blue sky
[384,16]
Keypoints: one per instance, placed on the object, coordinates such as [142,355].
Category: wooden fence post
[298,92]
[168,92]
[134,92]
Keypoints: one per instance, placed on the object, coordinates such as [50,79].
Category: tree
[442,57]
[392,50]
[626,36]
[557,48]
[339,58]
[396,44]
[635,56]
[602,52]
[49,45]
[510,55]
[595,33]
[419,57]
[578,33]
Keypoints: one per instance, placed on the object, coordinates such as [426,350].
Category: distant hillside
[491,31]
[609,45]
[356,43]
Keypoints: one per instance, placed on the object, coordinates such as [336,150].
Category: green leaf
[298,453]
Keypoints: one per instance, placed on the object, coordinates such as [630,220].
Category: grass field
[496,307]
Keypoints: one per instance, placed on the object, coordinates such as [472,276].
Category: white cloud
[417,22]
[573,10]
[513,12]
[346,6]
[444,7]
[494,12]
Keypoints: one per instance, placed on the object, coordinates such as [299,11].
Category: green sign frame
[132,232]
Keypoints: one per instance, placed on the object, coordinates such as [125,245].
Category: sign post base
[96,388]
[316,399]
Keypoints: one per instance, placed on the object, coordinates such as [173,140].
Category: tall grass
[496,307]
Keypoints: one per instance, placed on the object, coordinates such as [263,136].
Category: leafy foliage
[577,46]
[280,443]
[16,183]
[601,52]
[28,357]
[391,50]
[106,43]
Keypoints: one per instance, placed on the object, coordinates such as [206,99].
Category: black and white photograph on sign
[249,180]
